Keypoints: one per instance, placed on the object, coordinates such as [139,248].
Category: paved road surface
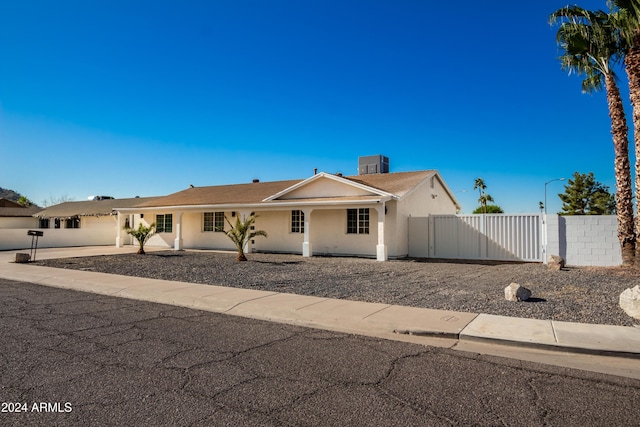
[71,358]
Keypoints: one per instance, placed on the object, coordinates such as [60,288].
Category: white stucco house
[325,214]
[84,223]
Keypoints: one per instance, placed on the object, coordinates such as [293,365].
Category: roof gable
[324,185]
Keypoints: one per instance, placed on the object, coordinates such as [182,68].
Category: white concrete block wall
[590,240]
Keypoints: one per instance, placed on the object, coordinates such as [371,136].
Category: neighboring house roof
[9,208]
[6,203]
[90,207]
[20,211]
[373,187]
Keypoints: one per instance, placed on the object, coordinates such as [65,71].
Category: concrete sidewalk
[465,331]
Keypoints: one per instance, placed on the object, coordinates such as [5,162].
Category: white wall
[581,240]
[93,231]
[430,198]
[194,236]
[588,240]
[328,233]
[278,227]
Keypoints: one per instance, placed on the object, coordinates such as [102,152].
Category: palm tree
[142,234]
[591,47]
[241,233]
[480,186]
[626,16]
[484,200]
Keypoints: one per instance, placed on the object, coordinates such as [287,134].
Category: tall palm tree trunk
[622,166]
[632,65]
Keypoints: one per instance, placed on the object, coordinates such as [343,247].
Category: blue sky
[128,98]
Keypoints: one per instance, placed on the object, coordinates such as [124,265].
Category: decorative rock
[22,257]
[630,301]
[555,262]
[515,292]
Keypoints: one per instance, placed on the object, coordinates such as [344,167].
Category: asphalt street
[73,358]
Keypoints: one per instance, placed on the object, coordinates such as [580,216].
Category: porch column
[307,250]
[381,248]
[177,245]
[119,239]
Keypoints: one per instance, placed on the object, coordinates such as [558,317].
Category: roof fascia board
[333,177]
[263,206]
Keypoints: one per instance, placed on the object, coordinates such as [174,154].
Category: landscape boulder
[555,262]
[630,301]
[22,257]
[515,292]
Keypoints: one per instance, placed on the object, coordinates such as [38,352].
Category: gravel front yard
[588,295]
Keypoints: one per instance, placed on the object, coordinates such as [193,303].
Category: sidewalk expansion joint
[553,328]
[249,300]
[313,303]
[376,312]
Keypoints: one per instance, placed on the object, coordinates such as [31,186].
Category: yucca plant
[142,234]
[241,233]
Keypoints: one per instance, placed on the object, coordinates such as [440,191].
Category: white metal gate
[497,237]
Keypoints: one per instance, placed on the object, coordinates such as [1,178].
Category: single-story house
[362,215]
[14,215]
[85,223]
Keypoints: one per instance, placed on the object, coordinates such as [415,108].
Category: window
[208,224]
[56,223]
[214,221]
[358,221]
[44,223]
[72,222]
[219,222]
[164,223]
[297,222]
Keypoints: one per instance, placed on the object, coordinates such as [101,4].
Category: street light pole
[545,192]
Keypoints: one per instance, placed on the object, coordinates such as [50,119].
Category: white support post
[119,231]
[307,250]
[381,248]
[178,245]
[545,238]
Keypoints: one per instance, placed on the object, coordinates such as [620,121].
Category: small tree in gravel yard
[242,233]
[142,234]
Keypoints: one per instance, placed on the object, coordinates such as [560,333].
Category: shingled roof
[398,183]
[90,207]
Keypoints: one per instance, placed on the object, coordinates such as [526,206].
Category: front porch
[348,229]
